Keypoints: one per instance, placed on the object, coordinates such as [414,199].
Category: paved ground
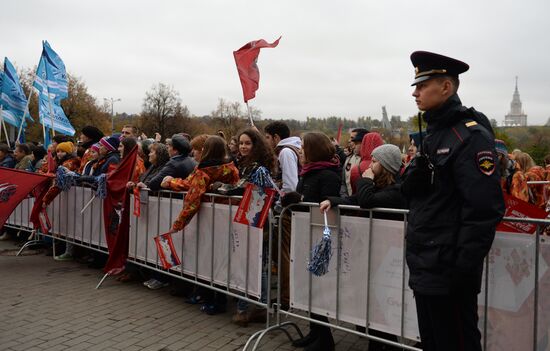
[50,305]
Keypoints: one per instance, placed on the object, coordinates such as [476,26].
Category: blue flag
[51,76]
[61,123]
[12,97]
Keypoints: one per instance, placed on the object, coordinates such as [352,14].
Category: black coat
[369,196]
[178,167]
[455,209]
[317,185]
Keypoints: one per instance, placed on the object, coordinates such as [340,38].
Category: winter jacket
[72,164]
[369,196]
[178,166]
[103,165]
[254,173]
[351,160]
[197,184]
[370,142]
[289,163]
[317,185]
[8,161]
[455,201]
[25,163]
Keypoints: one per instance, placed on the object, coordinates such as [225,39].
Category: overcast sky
[342,58]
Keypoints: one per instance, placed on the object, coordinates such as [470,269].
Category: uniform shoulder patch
[485,161]
[470,124]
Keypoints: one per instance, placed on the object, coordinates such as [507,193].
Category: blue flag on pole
[61,123]
[12,97]
[51,76]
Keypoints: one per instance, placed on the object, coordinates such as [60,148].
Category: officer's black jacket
[452,225]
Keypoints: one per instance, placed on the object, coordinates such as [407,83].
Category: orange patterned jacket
[72,164]
[197,184]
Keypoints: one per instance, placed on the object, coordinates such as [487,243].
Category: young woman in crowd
[256,166]
[519,187]
[377,186]
[158,156]
[214,166]
[125,147]
[93,157]
[370,142]
[109,155]
[319,179]
[197,144]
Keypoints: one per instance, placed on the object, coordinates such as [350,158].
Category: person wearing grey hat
[180,164]
[377,186]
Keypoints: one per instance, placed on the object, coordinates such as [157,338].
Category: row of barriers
[366,284]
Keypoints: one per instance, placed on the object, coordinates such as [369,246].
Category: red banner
[246,59]
[116,213]
[15,185]
[166,250]
[254,206]
[520,209]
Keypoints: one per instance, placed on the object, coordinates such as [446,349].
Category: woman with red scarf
[319,179]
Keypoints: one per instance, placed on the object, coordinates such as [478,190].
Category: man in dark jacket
[180,164]
[6,157]
[455,203]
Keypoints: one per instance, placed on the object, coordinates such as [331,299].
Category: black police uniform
[455,202]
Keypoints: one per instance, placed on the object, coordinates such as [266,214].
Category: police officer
[455,203]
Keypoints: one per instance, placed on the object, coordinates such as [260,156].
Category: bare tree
[162,108]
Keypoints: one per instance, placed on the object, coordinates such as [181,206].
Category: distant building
[548,122]
[516,117]
[385,121]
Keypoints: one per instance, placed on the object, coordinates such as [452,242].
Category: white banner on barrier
[384,292]
[233,242]
[511,282]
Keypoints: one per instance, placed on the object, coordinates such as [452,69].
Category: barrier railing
[215,252]
[367,282]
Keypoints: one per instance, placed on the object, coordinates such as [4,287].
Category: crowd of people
[310,167]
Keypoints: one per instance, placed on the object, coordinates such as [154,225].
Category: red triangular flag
[15,185]
[246,58]
[116,213]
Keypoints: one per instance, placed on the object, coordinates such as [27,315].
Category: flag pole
[249,115]
[51,112]
[3,126]
[24,114]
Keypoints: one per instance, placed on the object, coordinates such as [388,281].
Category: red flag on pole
[339,134]
[116,213]
[246,58]
[15,185]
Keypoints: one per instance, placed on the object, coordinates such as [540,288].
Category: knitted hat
[95,147]
[110,143]
[92,133]
[389,157]
[67,147]
[180,143]
[501,147]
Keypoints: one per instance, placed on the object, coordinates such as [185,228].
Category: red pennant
[137,202]
[520,209]
[254,206]
[116,213]
[166,250]
[246,59]
[15,185]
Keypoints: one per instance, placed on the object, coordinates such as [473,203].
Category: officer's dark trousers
[448,322]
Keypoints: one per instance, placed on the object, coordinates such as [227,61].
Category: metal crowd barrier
[367,282]
[67,222]
[514,305]
[215,252]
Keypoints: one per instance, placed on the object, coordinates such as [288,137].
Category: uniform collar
[444,115]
